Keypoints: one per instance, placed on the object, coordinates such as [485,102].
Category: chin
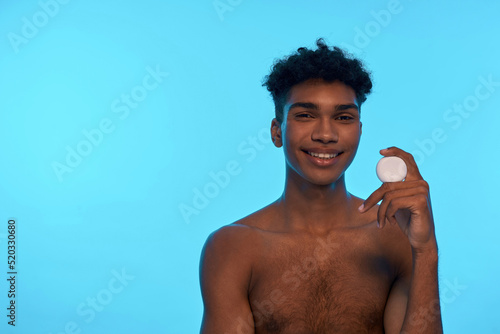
[323,181]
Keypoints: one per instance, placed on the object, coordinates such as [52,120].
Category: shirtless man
[319,259]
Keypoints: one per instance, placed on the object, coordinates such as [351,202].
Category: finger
[401,203]
[388,199]
[406,207]
[376,196]
[393,220]
[413,172]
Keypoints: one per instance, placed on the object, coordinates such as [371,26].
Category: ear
[360,128]
[276,133]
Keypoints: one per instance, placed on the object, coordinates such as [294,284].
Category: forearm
[423,312]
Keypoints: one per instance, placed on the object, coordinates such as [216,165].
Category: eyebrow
[310,105]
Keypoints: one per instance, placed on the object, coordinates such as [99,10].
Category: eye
[345,118]
[303,115]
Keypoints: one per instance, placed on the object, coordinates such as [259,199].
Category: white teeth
[323,155]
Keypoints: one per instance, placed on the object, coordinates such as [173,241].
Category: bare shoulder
[228,244]
[228,235]
[226,267]
[391,239]
[235,243]
[241,231]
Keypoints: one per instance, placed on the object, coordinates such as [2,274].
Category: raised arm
[413,305]
[225,272]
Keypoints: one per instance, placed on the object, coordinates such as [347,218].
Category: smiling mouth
[324,156]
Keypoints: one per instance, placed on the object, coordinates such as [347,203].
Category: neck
[315,208]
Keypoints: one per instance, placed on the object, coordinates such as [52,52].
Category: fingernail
[361,207]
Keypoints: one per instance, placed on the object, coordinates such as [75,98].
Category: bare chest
[326,285]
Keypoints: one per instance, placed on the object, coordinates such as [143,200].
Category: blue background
[67,69]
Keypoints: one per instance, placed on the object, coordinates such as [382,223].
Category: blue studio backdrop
[129,131]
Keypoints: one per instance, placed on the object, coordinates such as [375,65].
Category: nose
[325,131]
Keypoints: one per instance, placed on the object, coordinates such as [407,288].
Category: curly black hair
[323,63]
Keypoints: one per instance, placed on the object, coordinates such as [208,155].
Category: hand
[405,203]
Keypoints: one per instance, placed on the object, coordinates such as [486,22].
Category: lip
[321,150]
[323,162]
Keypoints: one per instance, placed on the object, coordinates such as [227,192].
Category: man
[318,259]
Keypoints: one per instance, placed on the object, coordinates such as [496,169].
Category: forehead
[321,92]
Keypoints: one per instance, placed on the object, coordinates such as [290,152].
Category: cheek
[291,134]
[293,138]
[351,136]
